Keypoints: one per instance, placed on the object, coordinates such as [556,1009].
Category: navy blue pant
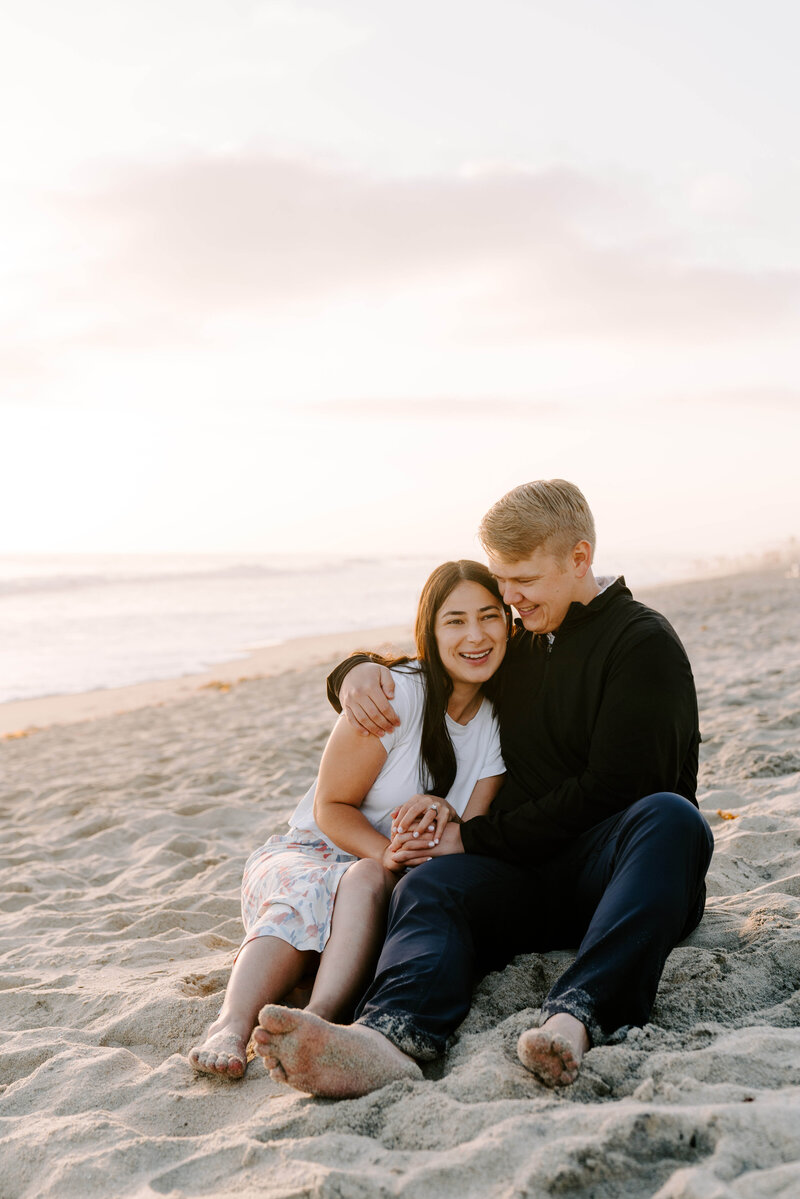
[627,891]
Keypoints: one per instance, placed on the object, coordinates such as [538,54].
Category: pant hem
[577,1003]
[402,1030]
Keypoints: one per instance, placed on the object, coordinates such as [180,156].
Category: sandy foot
[334,1060]
[554,1052]
[223,1053]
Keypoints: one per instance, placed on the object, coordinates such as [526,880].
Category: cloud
[582,405]
[21,365]
[35,369]
[435,408]
[781,399]
[255,229]
[524,255]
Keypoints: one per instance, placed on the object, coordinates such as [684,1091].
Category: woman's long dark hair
[437,755]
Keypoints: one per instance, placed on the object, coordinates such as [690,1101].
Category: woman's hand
[423,814]
[403,851]
[364,695]
[390,859]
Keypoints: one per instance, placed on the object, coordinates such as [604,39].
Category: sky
[335,276]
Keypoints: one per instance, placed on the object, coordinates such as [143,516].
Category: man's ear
[581,559]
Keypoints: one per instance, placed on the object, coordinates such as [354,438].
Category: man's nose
[511,595]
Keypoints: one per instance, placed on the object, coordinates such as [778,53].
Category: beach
[126,820]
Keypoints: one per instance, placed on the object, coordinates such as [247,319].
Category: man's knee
[423,884]
[445,884]
[671,815]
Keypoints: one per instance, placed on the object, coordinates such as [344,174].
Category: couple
[594,838]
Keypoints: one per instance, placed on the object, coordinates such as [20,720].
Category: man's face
[541,588]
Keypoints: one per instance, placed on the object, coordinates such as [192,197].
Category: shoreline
[23,717]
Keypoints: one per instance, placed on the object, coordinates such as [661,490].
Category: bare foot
[223,1052]
[555,1051]
[335,1060]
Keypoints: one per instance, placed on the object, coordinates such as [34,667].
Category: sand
[26,715]
[123,840]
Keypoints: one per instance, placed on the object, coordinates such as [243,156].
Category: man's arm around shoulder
[364,695]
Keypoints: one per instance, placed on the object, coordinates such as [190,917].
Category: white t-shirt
[476,745]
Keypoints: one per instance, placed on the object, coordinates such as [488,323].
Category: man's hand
[406,850]
[364,696]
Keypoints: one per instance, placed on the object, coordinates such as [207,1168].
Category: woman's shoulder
[408,666]
[409,678]
[408,701]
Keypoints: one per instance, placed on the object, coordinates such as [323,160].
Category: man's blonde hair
[548,513]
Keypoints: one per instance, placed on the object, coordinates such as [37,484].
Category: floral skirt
[289,887]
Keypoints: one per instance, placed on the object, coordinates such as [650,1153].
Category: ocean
[78,623]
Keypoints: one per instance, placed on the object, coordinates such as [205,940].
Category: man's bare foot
[555,1051]
[335,1060]
[223,1052]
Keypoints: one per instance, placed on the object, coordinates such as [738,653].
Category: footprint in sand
[203,984]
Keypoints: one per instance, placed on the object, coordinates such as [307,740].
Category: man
[595,839]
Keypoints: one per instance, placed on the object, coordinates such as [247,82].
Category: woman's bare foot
[335,1060]
[223,1052]
[555,1051]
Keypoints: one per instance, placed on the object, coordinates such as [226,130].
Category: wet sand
[123,839]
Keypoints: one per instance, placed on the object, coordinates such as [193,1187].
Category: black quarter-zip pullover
[600,718]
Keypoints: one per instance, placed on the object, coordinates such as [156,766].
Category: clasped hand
[423,827]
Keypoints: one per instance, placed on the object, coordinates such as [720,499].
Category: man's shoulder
[639,616]
[612,612]
[636,625]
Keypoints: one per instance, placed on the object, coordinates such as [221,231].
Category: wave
[30,584]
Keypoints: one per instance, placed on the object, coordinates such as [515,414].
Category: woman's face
[470,630]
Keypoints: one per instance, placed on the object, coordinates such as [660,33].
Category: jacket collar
[578,613]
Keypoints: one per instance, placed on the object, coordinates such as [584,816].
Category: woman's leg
[357,931]
[265,971]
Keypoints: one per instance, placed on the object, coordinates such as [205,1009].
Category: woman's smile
[471,633]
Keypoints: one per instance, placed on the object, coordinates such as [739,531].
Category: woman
[319,894]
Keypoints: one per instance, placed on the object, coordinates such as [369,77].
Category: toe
[263,1042]
[211,1061]
[276,1019]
